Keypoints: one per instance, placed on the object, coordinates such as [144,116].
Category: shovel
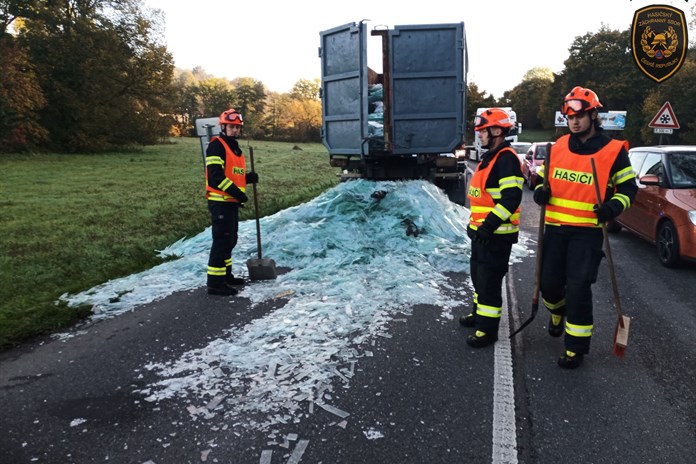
[259,269]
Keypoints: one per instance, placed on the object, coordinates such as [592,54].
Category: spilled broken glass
[359,255]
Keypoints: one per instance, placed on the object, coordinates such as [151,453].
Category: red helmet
[493,117]
[231,116]
[578,100]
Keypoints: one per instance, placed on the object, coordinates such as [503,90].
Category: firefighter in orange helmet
[226,180]
[495,193]
[573,239]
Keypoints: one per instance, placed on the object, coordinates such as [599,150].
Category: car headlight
[692,216]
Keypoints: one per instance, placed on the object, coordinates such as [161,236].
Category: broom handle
[540,238]
[256,204]
[610,261]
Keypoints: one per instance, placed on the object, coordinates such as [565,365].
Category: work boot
[556,325]
[224,290]
[468,321]
[232,280]
[570,360]
[481,339]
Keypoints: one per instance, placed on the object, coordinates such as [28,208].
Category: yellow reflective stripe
[475,298]
[572,204]
[224,184]
[624,175]
[569,218]
[494,192]
[553,306]
[218,197]
[578,330]
[489,311]
[625,201]
[217,271]
[511,182]
[481,209]
[213,160]
[501,212]
[506,229]
[228,262]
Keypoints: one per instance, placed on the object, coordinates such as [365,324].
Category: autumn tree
[105,76]
[476,98]
[525,96]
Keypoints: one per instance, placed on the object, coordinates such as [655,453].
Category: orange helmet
[231,116]
[493,117]
[578,100]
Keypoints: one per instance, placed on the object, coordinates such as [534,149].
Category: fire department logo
[659,40]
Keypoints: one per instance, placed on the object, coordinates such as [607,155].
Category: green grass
[539,135]
[70,222]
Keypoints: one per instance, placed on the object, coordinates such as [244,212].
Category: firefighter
[573,239]
[226,180]
[495,193]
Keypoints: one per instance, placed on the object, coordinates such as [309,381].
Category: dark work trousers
[489,264]
[225,225]
[570,262]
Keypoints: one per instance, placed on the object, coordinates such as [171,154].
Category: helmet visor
[574,106]
[233,118]
[479,121]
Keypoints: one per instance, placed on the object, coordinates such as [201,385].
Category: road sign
[665,118]
[663,130]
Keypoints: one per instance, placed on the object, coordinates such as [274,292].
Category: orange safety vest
[573,193]
[235,173]
[482,201]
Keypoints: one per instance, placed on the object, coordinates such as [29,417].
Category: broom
[621,330]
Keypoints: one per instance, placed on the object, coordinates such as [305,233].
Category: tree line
[94,75]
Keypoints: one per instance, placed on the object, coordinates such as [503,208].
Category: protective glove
[604,212]
[480,236]
[237,194]
[252,177]
[483,234]
[542,196]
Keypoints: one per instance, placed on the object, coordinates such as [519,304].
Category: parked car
[521,147]
[664,210]
[533,160]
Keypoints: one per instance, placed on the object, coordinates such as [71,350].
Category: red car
[533,160]
[664,210]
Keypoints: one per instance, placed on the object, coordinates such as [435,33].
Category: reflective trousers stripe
[578,330]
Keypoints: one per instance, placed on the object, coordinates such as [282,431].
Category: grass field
[70,222]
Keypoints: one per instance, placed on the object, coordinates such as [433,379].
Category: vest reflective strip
[578,330]
[489,311]
[217,271]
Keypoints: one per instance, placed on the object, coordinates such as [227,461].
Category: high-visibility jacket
[573,193]
[482,200]
[235,173]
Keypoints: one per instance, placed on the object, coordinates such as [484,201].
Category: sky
[277,42]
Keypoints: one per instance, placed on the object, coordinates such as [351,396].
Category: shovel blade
[262,269]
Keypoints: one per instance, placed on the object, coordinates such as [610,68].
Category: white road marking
[504,429]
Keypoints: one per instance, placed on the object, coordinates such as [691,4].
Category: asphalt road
[423,396]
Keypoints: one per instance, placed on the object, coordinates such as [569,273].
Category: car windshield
[521,148]
[683,168]
[540,152]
